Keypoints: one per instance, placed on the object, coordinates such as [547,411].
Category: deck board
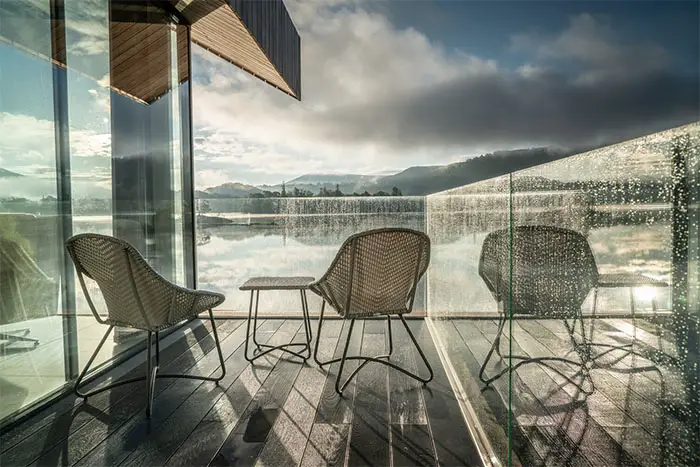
[275,412]
[628,420]
[369,435]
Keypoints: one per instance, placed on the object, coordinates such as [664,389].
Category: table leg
[307,322]
[255,321]
[247,332]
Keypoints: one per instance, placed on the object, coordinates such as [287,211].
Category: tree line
[323,192]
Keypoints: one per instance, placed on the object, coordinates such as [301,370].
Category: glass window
[96,142]
[31,328]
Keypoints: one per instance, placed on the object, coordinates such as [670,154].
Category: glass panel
[128,110]
[600,295]
[115,162]
[594,268]
[238,238]
[31,330]
[462,290]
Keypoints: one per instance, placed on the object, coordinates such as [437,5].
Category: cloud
[377,96]
[28,147]
[593,44]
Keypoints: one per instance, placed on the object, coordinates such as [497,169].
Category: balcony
[636,206]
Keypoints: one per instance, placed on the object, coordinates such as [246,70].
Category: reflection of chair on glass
[375,273]
[26,293]
[552,272]
[137,297]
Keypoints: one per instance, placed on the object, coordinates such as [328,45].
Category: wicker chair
[375,273]
[137,297]
[552,271]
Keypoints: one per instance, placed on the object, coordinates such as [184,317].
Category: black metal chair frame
[581,348]
[151,369]
[124,261]
[382,359]
[584,347]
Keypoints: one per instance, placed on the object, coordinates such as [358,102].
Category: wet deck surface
[637,415]
[275,412]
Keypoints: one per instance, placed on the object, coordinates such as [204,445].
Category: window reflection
[94,113]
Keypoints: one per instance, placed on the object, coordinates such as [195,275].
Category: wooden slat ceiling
[140,44]
[140,57]
[220,30]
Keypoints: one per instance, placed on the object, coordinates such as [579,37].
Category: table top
[628,280]
[277,283]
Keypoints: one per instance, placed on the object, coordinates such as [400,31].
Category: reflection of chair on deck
[374,274]
[552,272]
[26,293]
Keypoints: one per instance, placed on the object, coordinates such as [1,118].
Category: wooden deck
[275,412]
[638,414]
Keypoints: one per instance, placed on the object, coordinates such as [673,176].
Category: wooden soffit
[257,36]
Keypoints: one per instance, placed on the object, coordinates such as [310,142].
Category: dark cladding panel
[272,27]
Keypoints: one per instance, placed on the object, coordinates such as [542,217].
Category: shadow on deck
[639,413]
[275,412]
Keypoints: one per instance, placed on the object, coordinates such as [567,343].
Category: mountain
[414,181]
[419,181]
[4,173]
[228,190]
[332,178]
[348,183]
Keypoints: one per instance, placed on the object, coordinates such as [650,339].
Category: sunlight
[645,293]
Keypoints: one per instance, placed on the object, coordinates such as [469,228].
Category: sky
[387,85]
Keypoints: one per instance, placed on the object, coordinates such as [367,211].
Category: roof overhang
[257,36]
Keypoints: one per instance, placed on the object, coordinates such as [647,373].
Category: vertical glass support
[684,318]
[176,157]
[63,190]
[188,186]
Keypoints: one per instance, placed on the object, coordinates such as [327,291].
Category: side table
[255,285]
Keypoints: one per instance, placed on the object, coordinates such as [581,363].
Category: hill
[419,181]
[347,183]
[414,181]
[4,173]
[228,190]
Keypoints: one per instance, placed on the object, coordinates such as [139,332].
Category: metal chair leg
[157,348]
[307,323]
[495,347]
[79,381]
[151,370]
[217,343]
[255,321]
[391,340]
[150,376]
[218,347]
[247,331]
[318,333]
[339,388]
